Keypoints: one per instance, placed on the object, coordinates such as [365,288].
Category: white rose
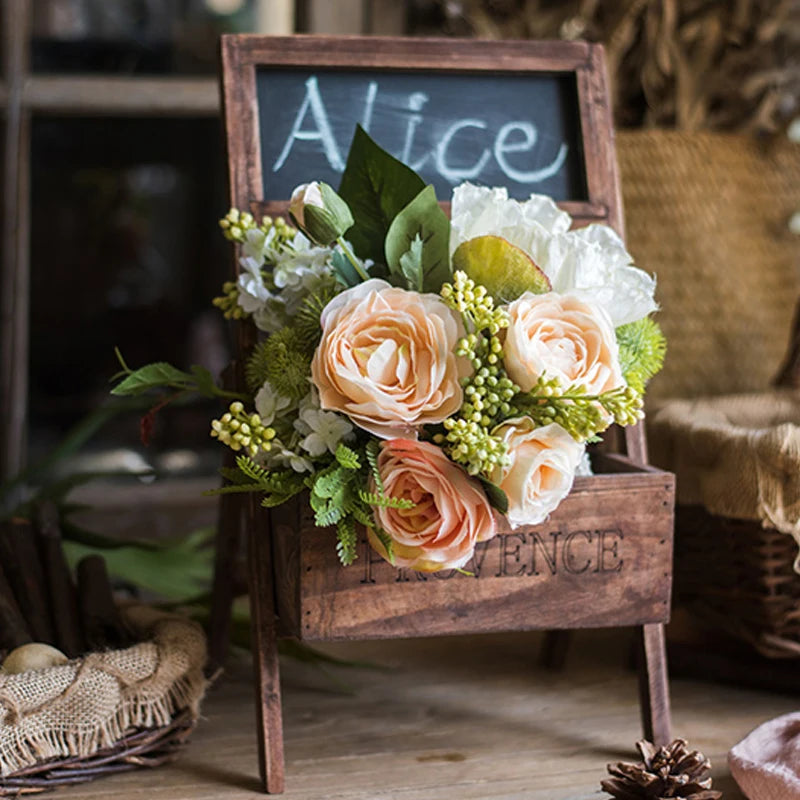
[539,471]
[562,337]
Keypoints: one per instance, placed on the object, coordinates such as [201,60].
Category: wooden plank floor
[453,718]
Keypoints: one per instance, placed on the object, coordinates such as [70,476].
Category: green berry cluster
[474,303]
[470,444]
[228,302]
[582,415]
[235,225]
[242,431]
[488,391]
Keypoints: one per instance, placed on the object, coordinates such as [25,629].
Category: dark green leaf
[152,376]
[205,381]
[496,496]
[345,272]
[422,218]
[377,187]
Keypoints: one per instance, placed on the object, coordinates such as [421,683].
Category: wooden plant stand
[604,558]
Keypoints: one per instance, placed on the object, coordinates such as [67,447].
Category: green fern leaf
[373,450]
[328,516]
[347,457]
[386,541]
[362,514]
[642,348]
[381,501]
[331,481]
[348,541]
[252,470]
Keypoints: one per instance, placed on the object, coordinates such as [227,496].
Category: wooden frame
[624,516]
[242,55]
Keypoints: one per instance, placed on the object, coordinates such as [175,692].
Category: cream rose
[451,512]
[387,360]
[564,337]
[540,470]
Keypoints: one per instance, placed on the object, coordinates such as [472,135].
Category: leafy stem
[352,259]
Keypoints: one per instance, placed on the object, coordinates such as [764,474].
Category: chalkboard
[530,116]
[518,131]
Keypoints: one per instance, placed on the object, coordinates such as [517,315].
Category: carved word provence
[513,139]
[516,555]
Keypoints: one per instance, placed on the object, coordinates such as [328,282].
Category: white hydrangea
[591,263]
[281,457]
[269,403]
[322,430]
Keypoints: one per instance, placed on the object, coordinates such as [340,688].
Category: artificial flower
[319,212]
[563,337]
[451,513]
[590,262]
[269,403]
[538,471]
[387,359]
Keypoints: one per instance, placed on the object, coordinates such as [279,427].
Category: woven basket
[708,213]
[737,576]
[151,747]
[106,712]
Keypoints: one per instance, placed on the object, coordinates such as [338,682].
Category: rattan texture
[708,213]
[737,576]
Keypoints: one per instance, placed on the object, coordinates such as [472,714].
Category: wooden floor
[452,718]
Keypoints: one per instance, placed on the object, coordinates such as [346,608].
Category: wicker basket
[737,576]
[105,712]
[151,747]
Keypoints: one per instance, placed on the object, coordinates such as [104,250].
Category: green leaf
[152,376]
[506,270]
[422,218]
[411,266]
[495,495]
[204,381]
[377,187]
[345,272]
[179,570]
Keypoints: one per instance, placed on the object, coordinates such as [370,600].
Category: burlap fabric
[89,703]
[739,456]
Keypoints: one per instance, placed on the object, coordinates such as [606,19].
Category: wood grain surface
[457,718]
[602,559]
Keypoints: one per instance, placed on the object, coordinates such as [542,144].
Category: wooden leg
[225,568]
[654,685]
[554,649]
[265,651]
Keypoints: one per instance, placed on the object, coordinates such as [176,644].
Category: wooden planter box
[602,559]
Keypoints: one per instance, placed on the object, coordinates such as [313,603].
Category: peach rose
[451,512]
[540,469]
[564,337]
[387,359]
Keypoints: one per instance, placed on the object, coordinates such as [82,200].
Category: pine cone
[667,772]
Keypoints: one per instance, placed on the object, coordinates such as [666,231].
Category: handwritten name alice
[513,139]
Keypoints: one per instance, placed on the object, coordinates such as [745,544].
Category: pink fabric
[766,763]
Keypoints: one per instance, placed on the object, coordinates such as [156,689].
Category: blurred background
[114,175]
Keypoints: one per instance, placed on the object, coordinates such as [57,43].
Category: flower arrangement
[424,378]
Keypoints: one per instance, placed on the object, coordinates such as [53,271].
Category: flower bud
[319,212]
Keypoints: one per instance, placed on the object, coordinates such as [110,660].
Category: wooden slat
[600,560]
[15,267]
[109,94]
